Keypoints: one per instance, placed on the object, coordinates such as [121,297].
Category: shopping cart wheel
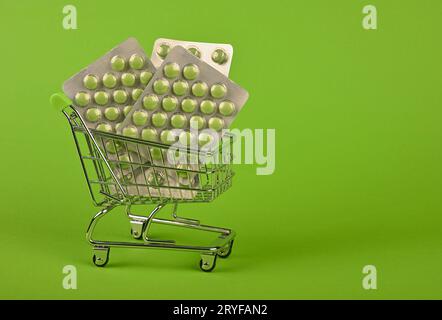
[136,235]
[225,251]
[101,256]
[136,229]
[208,262]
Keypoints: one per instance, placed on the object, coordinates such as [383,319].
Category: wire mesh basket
[135,171]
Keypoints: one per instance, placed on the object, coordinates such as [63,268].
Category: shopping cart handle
[59,101]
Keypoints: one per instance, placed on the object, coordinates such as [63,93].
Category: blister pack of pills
[218,55]
[189,99]
[133,166]
[161,183]
[184,93]
[105,91]
[155,182]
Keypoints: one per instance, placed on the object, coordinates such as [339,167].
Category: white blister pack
[217,55]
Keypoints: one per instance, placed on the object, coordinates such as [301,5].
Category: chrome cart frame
[114,180]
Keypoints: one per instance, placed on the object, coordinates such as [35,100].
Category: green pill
[216,123]
[195,52]
[178,121]
[128,79]
[180,87]
[139,117]
[136,62]
[163,50]
[167,137]
[112,113]
[150,102]
[169,103]
[226,108]
[104,127]
[145,77]
[109,80]
[149,134]
[126,110]
[219,56]
[199,89]
[171,70]
[188,105]
[93,114]
[191,71]
[136,93]
[123,159]
[207,106]
[101,98]
[186,138]
[204,138]
[120,96]
[118,63]
[161,86]
[173,155]
[130,131]
[156,154]
[82,99]
[90,82]
[197,122]
[113,147]
[218,91]
[183,176]
[118,126]
[159,119]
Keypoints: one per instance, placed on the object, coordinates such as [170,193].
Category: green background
[358,175]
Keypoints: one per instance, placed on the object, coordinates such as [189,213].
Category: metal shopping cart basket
[117,175]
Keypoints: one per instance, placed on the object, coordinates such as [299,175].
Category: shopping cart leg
[148,224]
[100,249]
[208,262]
[176,217]
[101,256]
[137,222]
[225,251]
[136,229]
[140,225]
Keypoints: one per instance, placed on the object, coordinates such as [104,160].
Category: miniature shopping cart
[114,181]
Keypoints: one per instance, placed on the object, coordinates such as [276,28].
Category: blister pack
[184,91]
[161,183]
[105,91]
[152,181]
[218,55]
[143,170]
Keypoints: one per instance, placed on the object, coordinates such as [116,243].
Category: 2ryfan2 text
[222,309]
